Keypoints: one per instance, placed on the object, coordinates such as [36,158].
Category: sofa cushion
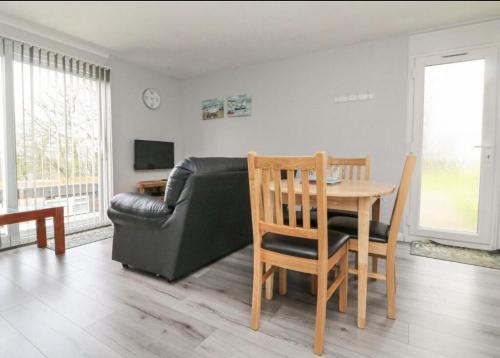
[140,205]
[182,171]
[175,184]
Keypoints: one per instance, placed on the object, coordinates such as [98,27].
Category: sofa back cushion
[182,171]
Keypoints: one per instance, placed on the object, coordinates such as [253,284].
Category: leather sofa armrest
[139,205]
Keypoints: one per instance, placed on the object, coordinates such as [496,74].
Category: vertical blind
[61,110]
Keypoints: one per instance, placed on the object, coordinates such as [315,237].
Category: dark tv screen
[153,155]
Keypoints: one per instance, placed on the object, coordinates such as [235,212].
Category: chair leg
[283,281]
[314,285]
[374,264]
[256,295]
[334,272]
[344,267]
[391,287]
[320,312]
[269,284]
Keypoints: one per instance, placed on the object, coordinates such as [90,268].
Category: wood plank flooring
[85,305]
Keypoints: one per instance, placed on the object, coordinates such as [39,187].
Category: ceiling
[189,39]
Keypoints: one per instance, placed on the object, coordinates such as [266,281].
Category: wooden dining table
[363,197]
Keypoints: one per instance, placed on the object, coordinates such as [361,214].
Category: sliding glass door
[455,100]
[61,126]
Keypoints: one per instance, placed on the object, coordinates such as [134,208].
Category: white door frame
[487,236]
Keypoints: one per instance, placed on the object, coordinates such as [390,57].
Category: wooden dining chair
[287,246]
[383,238]
[352,168]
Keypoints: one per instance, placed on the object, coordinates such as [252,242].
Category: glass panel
[57,142]
[451,161]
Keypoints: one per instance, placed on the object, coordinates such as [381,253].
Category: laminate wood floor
[83,304]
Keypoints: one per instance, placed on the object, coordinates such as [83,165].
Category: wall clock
[151,98]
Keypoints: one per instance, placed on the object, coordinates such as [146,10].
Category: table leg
[41,233]
[314,285]
[283,281]
[363,235]
[59,231]
[375,217]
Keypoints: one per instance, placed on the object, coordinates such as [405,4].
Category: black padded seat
[335,212]
[379,232]
[305,248]
[314,217]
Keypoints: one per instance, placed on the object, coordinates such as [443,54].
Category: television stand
[146,185]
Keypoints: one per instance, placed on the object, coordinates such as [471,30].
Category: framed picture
[239,106]
[212,108]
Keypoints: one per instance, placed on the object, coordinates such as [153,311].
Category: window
[61,128]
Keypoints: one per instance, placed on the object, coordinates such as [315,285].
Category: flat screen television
[151,154]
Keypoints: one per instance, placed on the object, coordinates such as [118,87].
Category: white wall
[132,120]
[294,111]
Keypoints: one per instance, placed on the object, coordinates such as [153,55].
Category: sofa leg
[125,266]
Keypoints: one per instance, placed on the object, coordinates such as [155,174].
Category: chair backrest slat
[292,213]
[352,168]
[306,206]
[278,202]
[266,195]
[399,205]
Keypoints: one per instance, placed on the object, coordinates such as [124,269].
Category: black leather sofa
[205,216]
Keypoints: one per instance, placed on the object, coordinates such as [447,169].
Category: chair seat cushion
[314,215]
[336,212]
[304,248]
[379,232]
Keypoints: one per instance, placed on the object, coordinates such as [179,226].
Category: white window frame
[8,142]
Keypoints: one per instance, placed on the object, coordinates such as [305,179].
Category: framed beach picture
[239,106]
[212,108]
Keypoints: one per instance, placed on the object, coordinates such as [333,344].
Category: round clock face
[151,98]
